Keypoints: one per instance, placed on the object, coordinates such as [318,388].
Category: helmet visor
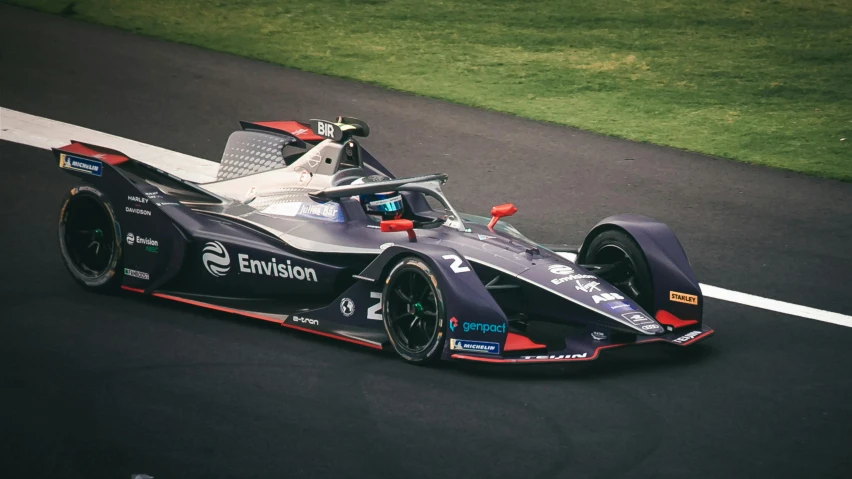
[384,203]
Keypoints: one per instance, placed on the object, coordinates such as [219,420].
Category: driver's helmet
[387,205]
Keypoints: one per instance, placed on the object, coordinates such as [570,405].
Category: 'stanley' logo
[683,298]
[215,258]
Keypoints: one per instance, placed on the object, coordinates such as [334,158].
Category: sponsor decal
[303,320]
[92,167]
[251,193]
[151,245]
[300,131]
[482,327]
[321,211]
[587,286]
[314,160]
[304,177]
[598,335]
[136,274]
[572,277]
[454,323]
[560,269]
[274,268]
[642,322]
[347,307]
[688,336]
[385,246]
[216,259]
[554,356]
[485,237]
[637,319]
[325,129]
[318,211]
[683,298]
[475,346]
[153,194]
[137,199]
[619,306]
[137,211]
[600,298]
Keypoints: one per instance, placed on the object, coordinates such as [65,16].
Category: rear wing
[341,130]
[91,163]
[302,134]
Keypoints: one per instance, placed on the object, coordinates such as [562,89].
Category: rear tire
[613,246]
[413,311]
[89,239]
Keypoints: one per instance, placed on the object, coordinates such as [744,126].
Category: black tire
[89,239]
[412,291]
[633,276]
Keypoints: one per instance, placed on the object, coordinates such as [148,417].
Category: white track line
[775,305]
[44,133]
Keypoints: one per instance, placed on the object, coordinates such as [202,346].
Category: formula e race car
[303,227]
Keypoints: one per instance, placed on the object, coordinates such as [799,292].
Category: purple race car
[303,227]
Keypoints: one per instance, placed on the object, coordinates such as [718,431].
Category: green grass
[762,81]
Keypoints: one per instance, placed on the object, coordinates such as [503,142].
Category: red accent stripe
[217,308]
[667,318]
[135,290]
[516,342]
[257,316]
[290,127]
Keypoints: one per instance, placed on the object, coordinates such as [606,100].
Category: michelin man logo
[215,258]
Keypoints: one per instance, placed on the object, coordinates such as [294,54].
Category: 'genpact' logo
[453,324]
[216,259]
[484,327]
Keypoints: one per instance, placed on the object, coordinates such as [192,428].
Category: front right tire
[630,273]
[413,311]
[89,239]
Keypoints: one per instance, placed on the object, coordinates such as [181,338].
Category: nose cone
[575,284]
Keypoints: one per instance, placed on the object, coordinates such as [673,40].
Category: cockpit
[281,167]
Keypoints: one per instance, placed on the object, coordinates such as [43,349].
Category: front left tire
[413,311]
[89,239]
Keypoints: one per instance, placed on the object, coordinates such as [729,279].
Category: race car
[305,228]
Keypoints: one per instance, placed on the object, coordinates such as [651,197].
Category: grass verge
[762,81]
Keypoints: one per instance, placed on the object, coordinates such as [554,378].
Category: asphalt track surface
[105,386]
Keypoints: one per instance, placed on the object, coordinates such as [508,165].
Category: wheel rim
[412,311]
[618,269]
[89,237]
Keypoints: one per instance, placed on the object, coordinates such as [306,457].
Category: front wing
[587,346]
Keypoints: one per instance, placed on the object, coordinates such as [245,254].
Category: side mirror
[391,226]
[500,211]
